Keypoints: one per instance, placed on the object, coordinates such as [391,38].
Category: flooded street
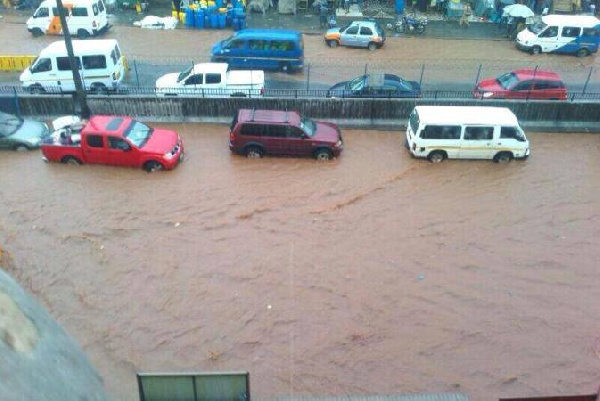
[374,273]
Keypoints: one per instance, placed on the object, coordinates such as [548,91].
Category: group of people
[326,13]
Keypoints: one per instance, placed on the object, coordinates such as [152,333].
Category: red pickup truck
[115,140]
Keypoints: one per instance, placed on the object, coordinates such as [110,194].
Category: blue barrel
[399,6]
[222,20]
[214,21]
[238,11]
[242,22]
[189,17]
[206,20]
[199,18]
[235,24]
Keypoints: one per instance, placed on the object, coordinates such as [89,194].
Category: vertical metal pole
[422,73]
[533,80]
[587,80]
[17,105]
[137,77]
[79,91]
[478,75]
[308,78]
[366,68]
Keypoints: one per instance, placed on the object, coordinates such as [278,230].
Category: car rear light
[231,137]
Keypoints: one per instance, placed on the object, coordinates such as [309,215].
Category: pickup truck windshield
[308,126]
[138,133]
[184,74]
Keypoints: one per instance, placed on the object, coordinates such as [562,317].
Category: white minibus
[84,18]
[576,34]
[460,132]
[100,64]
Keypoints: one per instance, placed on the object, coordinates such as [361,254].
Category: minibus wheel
[503,157]
[82,34]
[36,89]
[536,50]
[284,67]
[437,156]
[98,89]
[582,53]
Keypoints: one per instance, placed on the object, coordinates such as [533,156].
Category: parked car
[367,34]
[256,133]
[212,80]
[21,134]
[114,140]
[375,86]
[523,84]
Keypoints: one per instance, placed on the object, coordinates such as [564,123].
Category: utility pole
[79,98]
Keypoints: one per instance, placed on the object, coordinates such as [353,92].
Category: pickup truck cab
[114,140]
[212,80]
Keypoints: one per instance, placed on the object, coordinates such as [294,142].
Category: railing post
[366,68]
[17,105]
[587,80]
[422,73]
[137,78]
[478,75]
[308,77]
[296,91]
[533,80]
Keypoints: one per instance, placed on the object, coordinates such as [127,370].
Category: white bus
[84,18]
[457,132]
[100,64]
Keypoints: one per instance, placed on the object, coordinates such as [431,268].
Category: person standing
[466,14]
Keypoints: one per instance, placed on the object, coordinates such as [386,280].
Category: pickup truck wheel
[323,154]
[71,160]
[152,166]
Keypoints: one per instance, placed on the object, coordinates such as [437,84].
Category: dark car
[523,84]
[255,133]
[376,86]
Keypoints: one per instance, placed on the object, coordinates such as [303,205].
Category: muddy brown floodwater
[375,273]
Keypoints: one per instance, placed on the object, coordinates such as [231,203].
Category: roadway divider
[563,116]
[15,63]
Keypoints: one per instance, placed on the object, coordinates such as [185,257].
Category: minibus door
[477,142]
[548,39]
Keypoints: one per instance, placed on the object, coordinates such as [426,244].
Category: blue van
[266,49]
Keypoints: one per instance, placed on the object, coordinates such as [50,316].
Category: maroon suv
[255,133]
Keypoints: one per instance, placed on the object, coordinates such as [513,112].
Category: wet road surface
[373,273]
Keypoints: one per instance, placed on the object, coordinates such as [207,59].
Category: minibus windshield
[413,121]
[184,74]
[537,27]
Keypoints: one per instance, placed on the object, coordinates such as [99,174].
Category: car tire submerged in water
[323,154]
[372,46]
[254,152]
[152,166]
[582,53]
[437,156]
[536,50]
[332,43]
[503,157]
[71,160]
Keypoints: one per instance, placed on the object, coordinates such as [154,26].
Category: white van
[458,132]
[84,18]
[577,34]
[100,64]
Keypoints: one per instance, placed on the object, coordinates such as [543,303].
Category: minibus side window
[591,32]
[79,12]
[414,121]
[42,12]
[95,9]
[100,6]
[551,32]
[258,45]
[62,63]
[570,32]
[441,132]
[94,62]
[479,133]
[55,11]
[42,65]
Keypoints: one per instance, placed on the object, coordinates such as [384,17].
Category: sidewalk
[307,23]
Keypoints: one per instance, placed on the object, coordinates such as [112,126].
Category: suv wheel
[323,154]
[254,152]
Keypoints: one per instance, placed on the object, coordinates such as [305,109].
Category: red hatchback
[255,133]
[523,84]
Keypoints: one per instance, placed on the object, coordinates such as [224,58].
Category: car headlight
[338,143]
[168,155]
[487,94]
